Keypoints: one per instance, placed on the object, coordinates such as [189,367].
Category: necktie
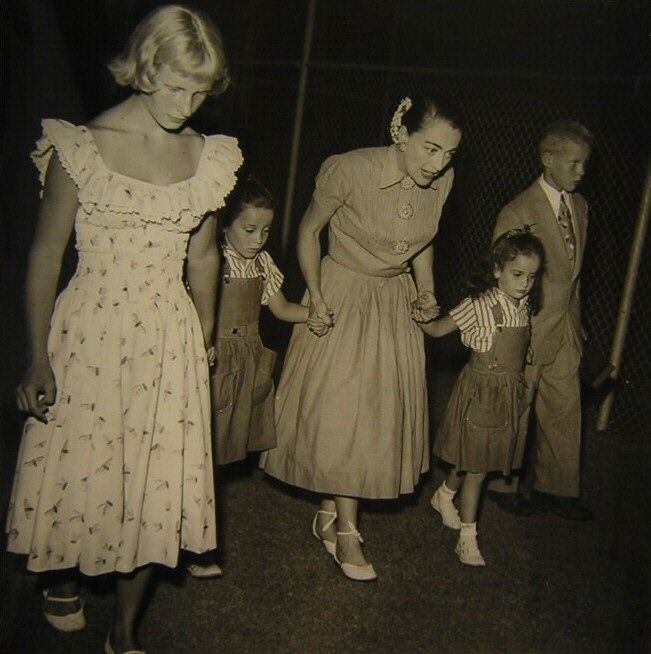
[565,221]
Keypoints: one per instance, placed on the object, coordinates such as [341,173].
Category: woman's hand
[37,390]
[320,318]
[424,308]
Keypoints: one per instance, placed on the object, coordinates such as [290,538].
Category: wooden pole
[627,296]
[298,126]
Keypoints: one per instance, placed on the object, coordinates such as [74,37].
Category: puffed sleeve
[332,186]
[465,316]
[273,278]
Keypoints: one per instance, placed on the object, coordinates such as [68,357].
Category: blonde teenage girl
[114,472]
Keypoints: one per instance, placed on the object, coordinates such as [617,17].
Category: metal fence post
[627,296]
[298,126]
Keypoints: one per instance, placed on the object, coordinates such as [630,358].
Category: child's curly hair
[505,248]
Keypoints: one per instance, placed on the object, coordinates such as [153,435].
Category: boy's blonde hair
[184,39]
[558,133]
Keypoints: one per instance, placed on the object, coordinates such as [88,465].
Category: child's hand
[317,326]
[424,308]
[211,353]
[320,318]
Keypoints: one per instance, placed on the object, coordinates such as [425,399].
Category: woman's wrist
[38,358]
[316,298]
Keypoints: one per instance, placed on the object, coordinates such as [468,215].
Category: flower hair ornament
[525,229]
[396,121]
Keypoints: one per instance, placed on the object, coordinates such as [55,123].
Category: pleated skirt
[483,427]
[351,406]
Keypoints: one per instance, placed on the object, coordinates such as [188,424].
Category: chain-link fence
[349,104]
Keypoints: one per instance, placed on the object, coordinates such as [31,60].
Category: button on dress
[351,406]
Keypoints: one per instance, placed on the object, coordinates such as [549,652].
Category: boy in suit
[558,217]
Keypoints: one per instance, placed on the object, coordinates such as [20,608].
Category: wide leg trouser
[555,459]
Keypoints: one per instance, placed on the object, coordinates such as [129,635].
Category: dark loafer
[568,508]
[513,503]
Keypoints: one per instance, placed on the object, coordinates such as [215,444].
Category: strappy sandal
[108,648]
[210,571]
[352,571]
[329,545]
[69,622]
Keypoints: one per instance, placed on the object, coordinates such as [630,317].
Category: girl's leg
[130,594]
[454,479]
[467,548]
[470,494]
[442,502]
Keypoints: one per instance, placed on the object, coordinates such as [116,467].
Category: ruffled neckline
[109,171]
[114,199]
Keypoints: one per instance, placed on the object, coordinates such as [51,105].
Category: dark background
[513,66]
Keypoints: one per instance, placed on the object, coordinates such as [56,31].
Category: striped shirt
[476,320]
[262,265]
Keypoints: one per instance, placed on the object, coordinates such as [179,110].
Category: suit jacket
[559,320]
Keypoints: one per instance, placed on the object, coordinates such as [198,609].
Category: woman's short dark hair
[425,109]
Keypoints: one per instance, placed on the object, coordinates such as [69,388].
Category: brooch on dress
[405,212]
[407,183]
[399,247]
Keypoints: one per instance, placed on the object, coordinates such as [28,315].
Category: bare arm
[37,389]
[309,258]
[438,328]
[203,274]
[425,307]
[287,311]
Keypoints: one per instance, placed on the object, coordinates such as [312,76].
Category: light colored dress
[351,408]
[482,429]
[242,382]
[121,474]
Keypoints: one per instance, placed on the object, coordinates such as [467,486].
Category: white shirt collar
[554,195]
[233,256]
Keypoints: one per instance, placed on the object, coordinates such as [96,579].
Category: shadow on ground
[550,587]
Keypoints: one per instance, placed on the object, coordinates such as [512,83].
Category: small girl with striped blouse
[242,378]
[481,431]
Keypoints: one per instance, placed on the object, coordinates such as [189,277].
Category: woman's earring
[401,146]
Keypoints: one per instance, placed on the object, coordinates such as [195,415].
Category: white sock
[447,491]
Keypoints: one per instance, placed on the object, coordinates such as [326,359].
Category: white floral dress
[121,475]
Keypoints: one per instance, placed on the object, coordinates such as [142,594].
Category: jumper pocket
[224,384]
[488,410]
[264,376]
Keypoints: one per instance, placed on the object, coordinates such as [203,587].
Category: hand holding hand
[37,390]
[424,308]
[320,319]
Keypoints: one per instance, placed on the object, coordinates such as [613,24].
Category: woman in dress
[351,404]
[114,472]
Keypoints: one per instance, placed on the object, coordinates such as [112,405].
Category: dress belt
[237,331]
